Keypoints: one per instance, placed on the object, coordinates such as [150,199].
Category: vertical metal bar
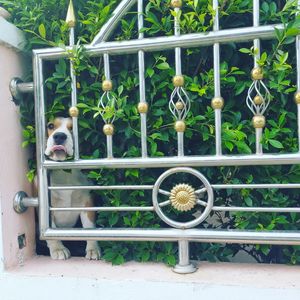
[106,66]
[298,118]
[256,24]
[178,70]
[177,49]
[258,133]
[298,77]
[184,265]
[109,139]
[256,44]
[218,129]
[180,140]
[217,82]
[74,97]
[109,142]
[41,143]
[141,58]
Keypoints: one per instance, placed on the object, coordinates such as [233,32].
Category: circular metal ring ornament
[197,220]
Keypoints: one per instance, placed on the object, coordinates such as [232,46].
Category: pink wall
[13,166]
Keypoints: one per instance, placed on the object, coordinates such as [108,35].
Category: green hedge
[43,23]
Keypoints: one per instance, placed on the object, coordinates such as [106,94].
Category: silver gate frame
[100,47]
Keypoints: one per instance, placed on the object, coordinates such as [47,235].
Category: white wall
[13,159]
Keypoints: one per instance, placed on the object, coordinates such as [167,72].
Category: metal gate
[183,197]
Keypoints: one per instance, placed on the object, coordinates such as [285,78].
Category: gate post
[184,265]
[17,236]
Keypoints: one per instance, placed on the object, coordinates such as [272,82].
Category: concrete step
[43,278]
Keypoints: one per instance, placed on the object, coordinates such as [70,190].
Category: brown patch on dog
[70,124]
[53,125]
[91,214]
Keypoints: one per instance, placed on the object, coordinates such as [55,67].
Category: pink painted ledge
[229,274]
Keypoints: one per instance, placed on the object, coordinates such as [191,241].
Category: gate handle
[22,202]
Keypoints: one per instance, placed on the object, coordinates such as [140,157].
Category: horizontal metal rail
[94,188]
[150,187]
[186,161]
[165,203]
[257,209]
[168,42]
[196,235]
[257,186]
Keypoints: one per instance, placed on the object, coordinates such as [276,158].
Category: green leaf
[245,50]
[42,30]
[163,66]
[171,260]
[276,144]
[249,201]
[118,260]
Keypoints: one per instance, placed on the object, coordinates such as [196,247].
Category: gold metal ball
[217,103]
[179,105]
[180,126]
[258,100]
[259,121]
[178,81]
[108,129]
[143,107]
[73,112]
[297,98]
[176,3]
[257,73]
[107,85]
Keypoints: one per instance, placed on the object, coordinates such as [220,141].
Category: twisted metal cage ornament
[258,97]
[107,103]
[180,103]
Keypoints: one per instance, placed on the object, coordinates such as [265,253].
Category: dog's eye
[50,126]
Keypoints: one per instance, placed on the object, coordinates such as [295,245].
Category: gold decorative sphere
[183,197]
[73,112]
[297,97]
[179,105]
[143,107]
[107,85]
[176,3]
[180,126]
[108,129]
[258,100]
[257,73]
[217,103]
[178,81]
[259,121]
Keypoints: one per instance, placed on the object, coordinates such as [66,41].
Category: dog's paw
[60,253]
[93,253]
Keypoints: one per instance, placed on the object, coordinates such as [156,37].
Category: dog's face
[60,141]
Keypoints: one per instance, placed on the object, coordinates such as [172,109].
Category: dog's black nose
[59,138]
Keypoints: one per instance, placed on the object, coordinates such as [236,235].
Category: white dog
[59,147]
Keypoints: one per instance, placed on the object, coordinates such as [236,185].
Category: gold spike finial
[70,19]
